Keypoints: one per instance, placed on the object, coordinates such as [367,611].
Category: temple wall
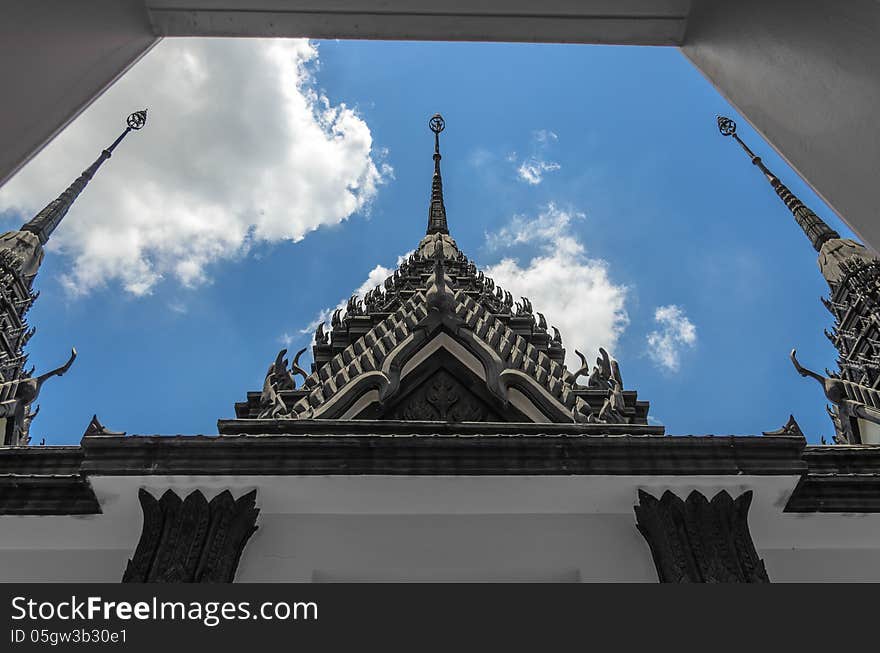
[566,548]
[62,565]
[544,548]
[526,528]
[802,565]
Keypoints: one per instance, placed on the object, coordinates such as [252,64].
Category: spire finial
[437,210]
[47,220]
[812,225]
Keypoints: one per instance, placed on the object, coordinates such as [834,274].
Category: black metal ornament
[726,126]
[436,123]
[137,120]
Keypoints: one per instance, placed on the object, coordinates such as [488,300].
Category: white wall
[523,528]
[62,565]
[447,547]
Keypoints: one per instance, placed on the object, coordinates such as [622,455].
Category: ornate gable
[442,397]
[440,341]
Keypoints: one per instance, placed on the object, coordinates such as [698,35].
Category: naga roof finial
[437,210]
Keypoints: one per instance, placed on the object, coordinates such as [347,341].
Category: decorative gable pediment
[442,356]
[377,367]
[441,398]
[439,341]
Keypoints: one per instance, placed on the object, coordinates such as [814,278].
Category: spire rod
[47,220]
[437,210]
[812,225]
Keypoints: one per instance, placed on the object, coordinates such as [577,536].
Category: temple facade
[438,435]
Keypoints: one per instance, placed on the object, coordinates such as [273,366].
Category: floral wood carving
[442,398]
[700,541]
[191,540]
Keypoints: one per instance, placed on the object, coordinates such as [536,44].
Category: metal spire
[437,211]
[812,225]
[47,220]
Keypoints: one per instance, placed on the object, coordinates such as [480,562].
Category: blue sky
[639,198]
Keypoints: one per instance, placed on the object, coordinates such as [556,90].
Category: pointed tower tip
[811,224]
[437,210]
[46,221]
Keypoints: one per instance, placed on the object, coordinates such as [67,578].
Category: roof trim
[44,481]
[839,478]
[374,361]
[552,454]
[55,480]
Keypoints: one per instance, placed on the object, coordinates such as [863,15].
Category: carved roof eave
[56,480]
[363,313]
[353,399]
[397,429]
[369,370]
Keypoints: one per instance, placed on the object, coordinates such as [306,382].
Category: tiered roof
[440,341]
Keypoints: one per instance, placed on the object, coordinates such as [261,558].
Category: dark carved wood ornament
[191,540]
[700,541]
[442,398]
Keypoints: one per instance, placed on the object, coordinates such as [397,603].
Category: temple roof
[21,254]
[853,276]
[440,341]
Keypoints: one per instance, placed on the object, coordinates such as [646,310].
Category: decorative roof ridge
[368,353]
[365,354]
[409,277]
[513,348]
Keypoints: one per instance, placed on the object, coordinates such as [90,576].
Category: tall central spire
[47,220]
[437,210]
[812,225]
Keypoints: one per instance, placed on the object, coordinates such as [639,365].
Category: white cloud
[239,147]
[675,332]
[178,307]
[550,229]
[544,136]
[531,169]
[573,291]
